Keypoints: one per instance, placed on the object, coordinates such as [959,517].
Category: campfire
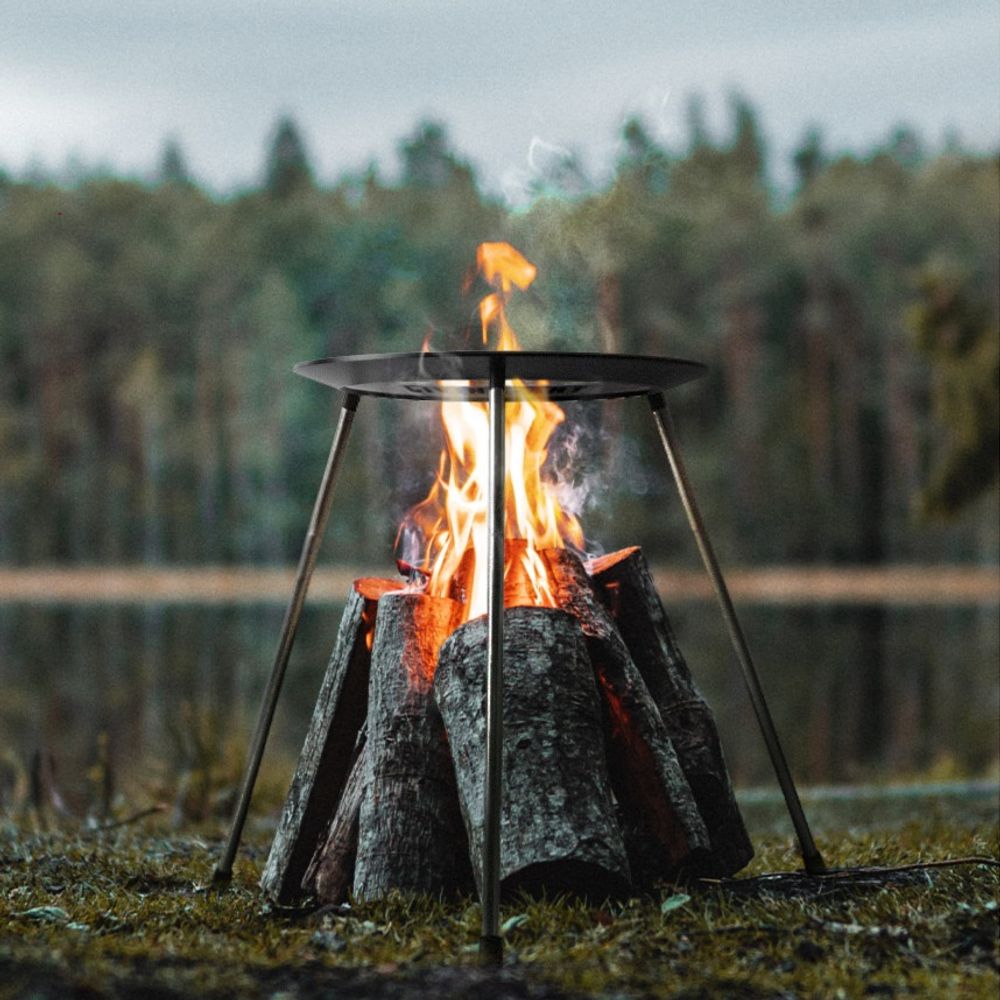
[613,778]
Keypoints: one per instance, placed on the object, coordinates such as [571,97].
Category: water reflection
[857,693]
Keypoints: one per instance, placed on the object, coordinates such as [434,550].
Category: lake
[859,692]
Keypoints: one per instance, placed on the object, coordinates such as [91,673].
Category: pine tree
[694,114]
[428,160]
[173,166]
[643,158]
[906,147]
[747,149]
[809,159]
[288,168]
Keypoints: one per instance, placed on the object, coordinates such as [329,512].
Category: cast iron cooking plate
[465,374]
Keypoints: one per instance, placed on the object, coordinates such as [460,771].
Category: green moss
[131,909]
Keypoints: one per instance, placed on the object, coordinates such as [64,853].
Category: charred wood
[664,830]
[623,581]
[331,873]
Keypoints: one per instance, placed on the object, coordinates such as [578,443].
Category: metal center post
[490,943]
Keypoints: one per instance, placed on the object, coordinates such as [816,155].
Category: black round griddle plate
[465,374]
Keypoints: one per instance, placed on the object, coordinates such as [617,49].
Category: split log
[410,834]
[664,830]
[326,755]
[331,873]
[558,826]
[623,582]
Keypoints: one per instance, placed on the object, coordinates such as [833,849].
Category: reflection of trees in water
[172,691]
[855,696]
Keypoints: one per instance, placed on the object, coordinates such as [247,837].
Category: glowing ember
[451,521]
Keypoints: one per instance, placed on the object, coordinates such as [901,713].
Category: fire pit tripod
[488,376]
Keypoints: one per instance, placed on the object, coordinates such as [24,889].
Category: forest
[850,321]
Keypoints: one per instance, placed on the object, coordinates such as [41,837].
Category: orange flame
[452,519]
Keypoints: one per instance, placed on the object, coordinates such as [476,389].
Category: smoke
[572,469]
[550,170]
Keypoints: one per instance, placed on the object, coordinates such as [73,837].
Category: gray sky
[104,81]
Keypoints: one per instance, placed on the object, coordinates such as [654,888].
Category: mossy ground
[128,913]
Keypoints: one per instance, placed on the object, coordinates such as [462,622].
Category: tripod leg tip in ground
[490,951]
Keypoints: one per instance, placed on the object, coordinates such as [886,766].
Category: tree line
[148,328]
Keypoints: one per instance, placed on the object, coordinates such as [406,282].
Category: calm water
[857,693]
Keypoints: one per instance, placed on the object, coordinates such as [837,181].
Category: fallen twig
[842,873]
[847,874]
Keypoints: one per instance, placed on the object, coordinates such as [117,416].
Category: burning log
[623,581]
[410,834]
[663,828]
[325,761]
[558,825]
[518,590]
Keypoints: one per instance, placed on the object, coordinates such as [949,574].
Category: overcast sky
[105,82]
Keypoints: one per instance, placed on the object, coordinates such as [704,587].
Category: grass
[128,912]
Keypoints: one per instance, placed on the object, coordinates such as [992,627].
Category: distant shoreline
[903,585]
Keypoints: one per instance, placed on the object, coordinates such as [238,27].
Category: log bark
[331,872]
[326,755]
[410,833]
[663,827]
[558,827]
[624,584]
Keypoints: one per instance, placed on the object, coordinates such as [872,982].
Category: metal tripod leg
[307,563]
[811,857]
[490,943]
